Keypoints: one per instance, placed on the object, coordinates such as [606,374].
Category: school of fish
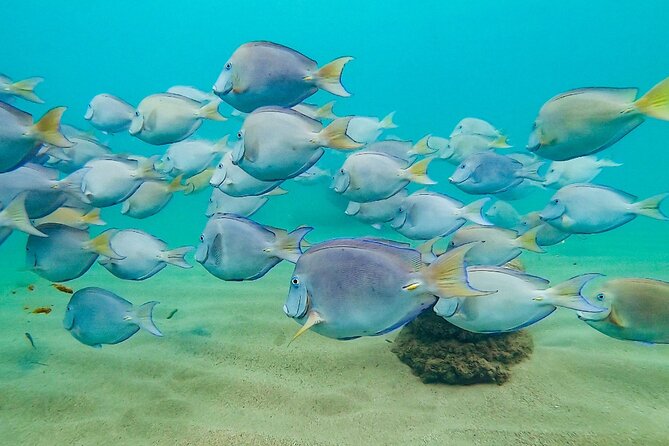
[54,179]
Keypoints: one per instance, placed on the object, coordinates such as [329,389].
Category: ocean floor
[224,374]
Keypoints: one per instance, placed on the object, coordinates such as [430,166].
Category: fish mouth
[593,317]
[202,254]
[453,180]
[552,213]
[399,221]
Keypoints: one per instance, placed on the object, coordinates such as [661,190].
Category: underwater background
[223,373]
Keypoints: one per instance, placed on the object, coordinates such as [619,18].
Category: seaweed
[439,352]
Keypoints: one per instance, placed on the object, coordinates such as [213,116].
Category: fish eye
[239,135]
[295,281]
[556,201]
[462,166]
[452,244]
[552,170]
[201,237]
[136,113]
[220,165]
[600,297]
[228,66]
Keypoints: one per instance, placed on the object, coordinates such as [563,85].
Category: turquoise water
[432,63]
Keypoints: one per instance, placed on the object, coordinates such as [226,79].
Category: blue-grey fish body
[259,74]
[577,170]
[109,114]
[167,118]
[38,182]
[492,246]
[587,120]
[476,126]
[281,143]
[190,157]
[373,176]
[66,253]
[236,248]
[426,215]
[222,203]
[490,173]
[516,300]
[590,208]
[462,146]
[108,181]
[503,214]
[547,235]
[636,310]
[21,138]
[95,317]
[377,212]
[347,288]
[142,255]
[234,181]
[151,197]
[84,149]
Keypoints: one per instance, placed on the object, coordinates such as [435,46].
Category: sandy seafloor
[224,375]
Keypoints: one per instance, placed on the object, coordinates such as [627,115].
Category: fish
[264,73]
[547,235]
[494,246]
[30,339]
[141,255]
[96,317]
[67,253]
[588,120]
[313,175]
[476,126]
[577,170]
[315,111]
[24,89]
[373,176]
[636,310]
[62,288]
[503,214]
[199,181]
[367,129]
[402,149]
[190,157]
[515,301]
[236,248]
[152,196]
[172,313]
[193,93]
[491,173]
[425,215]
[21,138]
[167,118]
[234,181]
[14,216]
[462,146]
[42,310]
[280,143]
[84,149]
[109,113]
[109,181]
[222,203]
[348,288]
[377,212]
[73,217]
[591,208]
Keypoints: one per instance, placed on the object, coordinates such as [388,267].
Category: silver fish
[109,114]
[377,212]
[191,157]
[234,181]
[151,197]
[494,246]
[222,203]
[491,173]
[108,181]
[23,89]
[476,126]
[578,170]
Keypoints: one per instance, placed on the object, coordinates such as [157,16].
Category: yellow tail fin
[655,103]
[528,240]
[650,207]
[101,245]
[422,147]
[500,143]
[199,181]
[25,89]
[210,111]
[334,135]
[387,122]
[93,218]
[447,275]
[175,185]
[417,172]
[326,111]
[328,77]
[47,129]
[14,216]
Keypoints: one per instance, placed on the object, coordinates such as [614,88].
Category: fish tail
[25,89]
[175,185]
[447,275]
[221,145]
[568,294]
[608,163]
[417,172]
[146,168]
[334,135]
[101,245]
[288,245]
[47,129]
[531,172]
[528,240]
[326,111]
[274,192]
[422,147]
[143,317]
[210,111]
[387,122]
[92,217]
[650,207]
[426,249]
[15,216]
[473,212]
[502,142]
[176,256]
[328,77]
[655,103]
